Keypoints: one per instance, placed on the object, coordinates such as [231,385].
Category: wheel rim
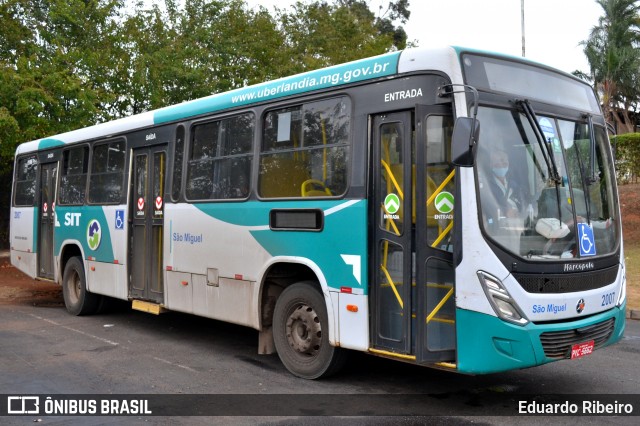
[304,331]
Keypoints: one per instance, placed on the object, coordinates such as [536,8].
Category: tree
[178,51]
[50,78]
[613,53]
[169,54]
[627,156]
[319,34]
[228,46]
[52,58]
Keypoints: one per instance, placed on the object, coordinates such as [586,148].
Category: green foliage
[627,153]
[51,67]
[166,55]
[9,131]
[319,34]
[613,53]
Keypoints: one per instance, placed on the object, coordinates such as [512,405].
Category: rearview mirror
[465,137]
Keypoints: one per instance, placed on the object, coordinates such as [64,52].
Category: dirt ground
[17,288]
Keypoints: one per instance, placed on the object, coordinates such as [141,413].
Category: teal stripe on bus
[49,143]
[352,72]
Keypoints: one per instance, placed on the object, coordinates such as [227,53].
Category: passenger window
[305,150]
[73,183]
[25,190]
[107,173]
[219,164]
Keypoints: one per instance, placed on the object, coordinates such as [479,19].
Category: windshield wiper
[547,154]
[586,181]
[545,148]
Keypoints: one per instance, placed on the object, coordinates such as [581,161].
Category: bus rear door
[147,207]
[46,223]
[412,294]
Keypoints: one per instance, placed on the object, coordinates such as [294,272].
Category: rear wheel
[74,289]
[301,333]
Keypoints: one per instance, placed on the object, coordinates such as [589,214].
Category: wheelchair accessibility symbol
[587,241]
[119,219]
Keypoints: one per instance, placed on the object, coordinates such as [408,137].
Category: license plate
[581,349]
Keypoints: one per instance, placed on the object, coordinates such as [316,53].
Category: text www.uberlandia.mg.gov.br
[308,82]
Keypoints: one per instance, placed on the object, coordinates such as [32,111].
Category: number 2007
[608,299]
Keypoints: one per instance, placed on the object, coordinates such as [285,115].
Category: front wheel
[74,289]
[301,333]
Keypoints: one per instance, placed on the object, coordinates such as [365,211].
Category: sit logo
[72,219]
[94,234]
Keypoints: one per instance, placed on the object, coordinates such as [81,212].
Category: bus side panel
[101,234]
[224,248]
[353,316]
[196,242]
[23,237]
[25,262]
[232,300]
[339,253]
[107,278]
[339,249]
[212,265]
[236,239]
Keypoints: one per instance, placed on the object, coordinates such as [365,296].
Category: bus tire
[77,299]
[301,333]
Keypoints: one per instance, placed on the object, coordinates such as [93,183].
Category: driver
[505,198]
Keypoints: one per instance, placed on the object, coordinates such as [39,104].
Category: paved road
[43,350]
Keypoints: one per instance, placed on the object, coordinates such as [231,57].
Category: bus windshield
[549,196]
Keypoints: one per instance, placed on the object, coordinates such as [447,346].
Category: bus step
[392,354]
[148,307]
[447,365]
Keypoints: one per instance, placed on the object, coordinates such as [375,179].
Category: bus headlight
[500,299]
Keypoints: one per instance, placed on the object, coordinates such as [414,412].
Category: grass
[632,262]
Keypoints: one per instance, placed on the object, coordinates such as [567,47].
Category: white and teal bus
[444,207]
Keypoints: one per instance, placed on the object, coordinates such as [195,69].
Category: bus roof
[385,65]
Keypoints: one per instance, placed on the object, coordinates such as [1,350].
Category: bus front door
[48,181]
[412,301]
[147,220]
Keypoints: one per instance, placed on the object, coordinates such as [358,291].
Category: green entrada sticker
[392,203]
[444,202]
[391,206]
